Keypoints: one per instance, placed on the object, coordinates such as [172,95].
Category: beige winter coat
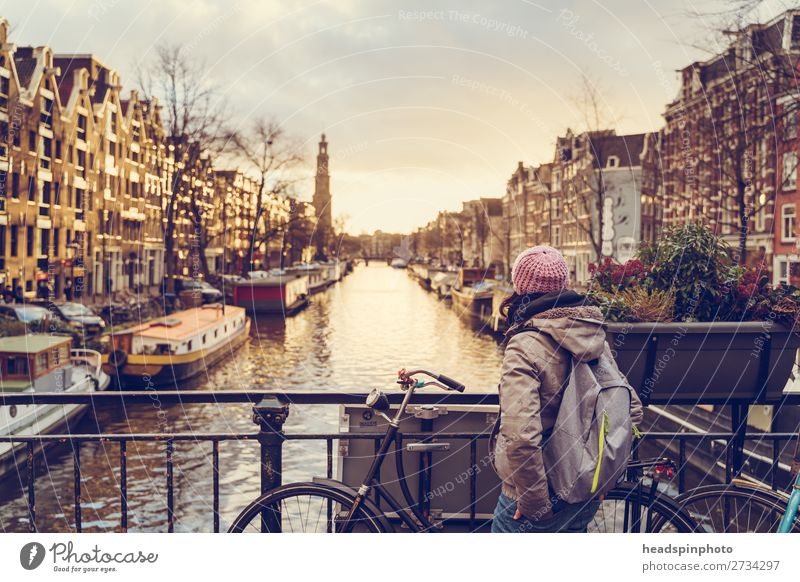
[535,367]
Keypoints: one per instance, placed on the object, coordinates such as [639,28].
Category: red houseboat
[284,294]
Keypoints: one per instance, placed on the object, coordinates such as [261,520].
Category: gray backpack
[588,449]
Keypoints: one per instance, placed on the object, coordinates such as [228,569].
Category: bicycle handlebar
[450,383]
[446,381]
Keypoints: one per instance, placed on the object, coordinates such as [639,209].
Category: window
[788,219]
[4,92]
[556,181]
[80,130]
[556,236]
[18,366]
[14,240]
[556,207]
[782,273]
[31,188]
[29,241]
[41,362]
[47,153]
[47,112]
[612,162]
[32,141]
[15,185]
[56,237]
[82,163]
[790,125]
[44,242]
[789,173]
[761,218]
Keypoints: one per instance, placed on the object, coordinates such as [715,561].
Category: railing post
[270,414]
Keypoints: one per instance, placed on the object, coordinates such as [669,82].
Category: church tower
[322,203]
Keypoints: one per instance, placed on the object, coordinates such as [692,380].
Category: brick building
[86,173]
[729,145]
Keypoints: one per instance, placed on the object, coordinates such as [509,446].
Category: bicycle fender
[368,503]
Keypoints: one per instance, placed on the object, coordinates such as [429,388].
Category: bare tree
[194,117]
[586,186]
[272,155]
[754,99]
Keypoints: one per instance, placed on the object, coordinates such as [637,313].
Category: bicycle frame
[410,516]
[787,522]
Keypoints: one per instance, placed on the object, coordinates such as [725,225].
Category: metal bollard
[270,414]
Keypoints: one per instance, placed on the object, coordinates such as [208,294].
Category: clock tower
[322,203]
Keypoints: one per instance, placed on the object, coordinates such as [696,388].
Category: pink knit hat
[539,269]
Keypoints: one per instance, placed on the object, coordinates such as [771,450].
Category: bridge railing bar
[270,411]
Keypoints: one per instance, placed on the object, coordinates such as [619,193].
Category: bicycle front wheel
[736,508]
[629,508]
[305,508]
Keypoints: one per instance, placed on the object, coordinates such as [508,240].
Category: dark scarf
[526,306]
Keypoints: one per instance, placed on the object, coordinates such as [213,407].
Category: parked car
[24,313]
[79,316]
[209,293]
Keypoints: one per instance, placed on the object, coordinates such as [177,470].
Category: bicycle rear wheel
[304,508]
[630,509]
[735,508]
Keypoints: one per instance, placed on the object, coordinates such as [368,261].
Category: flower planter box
[705,363]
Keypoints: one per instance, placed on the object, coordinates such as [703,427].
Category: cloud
[448,96]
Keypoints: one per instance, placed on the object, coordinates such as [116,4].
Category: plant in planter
[690,324]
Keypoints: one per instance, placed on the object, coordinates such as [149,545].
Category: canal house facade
[86,171]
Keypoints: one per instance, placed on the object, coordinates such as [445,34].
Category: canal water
[353,337]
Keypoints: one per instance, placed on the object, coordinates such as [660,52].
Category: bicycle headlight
[377,400]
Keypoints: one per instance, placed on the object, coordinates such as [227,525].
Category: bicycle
[743,506]
[334,507]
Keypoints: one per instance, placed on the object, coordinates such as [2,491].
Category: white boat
[399,263]
[320,276]
[43,363]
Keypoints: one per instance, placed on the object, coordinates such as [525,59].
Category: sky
[425,104]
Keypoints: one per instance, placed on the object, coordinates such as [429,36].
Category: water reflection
[353,337]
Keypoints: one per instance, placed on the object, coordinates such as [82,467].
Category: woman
[548,326]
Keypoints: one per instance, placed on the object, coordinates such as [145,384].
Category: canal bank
[355,336]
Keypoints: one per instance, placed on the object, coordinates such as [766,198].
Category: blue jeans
[567,518]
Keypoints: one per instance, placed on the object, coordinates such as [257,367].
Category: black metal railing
[270,410]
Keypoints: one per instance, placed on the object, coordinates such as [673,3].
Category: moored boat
[399,263]
[319,276]
[284,294]
[178,346]
[43,363]
[472,293]
[442,283]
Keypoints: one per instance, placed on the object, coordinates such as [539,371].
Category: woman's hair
[505,306]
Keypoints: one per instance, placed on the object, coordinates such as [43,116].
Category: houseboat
[472,293]
[319,276]
[43,363]
[425,274]
[170,349]
[284,294]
